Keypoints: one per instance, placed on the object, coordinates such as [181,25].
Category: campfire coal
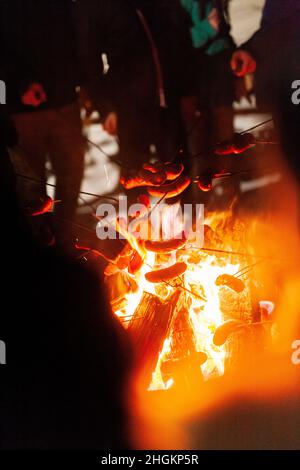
[188,313]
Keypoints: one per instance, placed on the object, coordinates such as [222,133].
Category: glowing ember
[190,331]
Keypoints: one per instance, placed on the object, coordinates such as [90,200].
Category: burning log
[118,285]
[183,362]
[166,274]
[149,327]
[172,330]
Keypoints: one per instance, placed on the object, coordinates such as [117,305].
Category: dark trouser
[139,128]
[55,134]
[209,117]
[215,95]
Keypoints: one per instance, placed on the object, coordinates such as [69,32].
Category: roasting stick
[226,175]
[186,289]
[102,196]
[180,286]
[157,204]
[97,146]
[82,227]
[247,269]
[240,273]
[212,147]
[91,250]
[235,253]
[101,150]
[266,322]
[257,126]
[161,199]
[241,133]
[89,204]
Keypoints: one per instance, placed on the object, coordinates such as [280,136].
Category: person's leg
[222,120]
[30,160]
[222,97]
[194,125]
[66,153]
[222,129]
[135,133]
[169,132]
[135,137]
[196,122]
[222,123]
[196,113]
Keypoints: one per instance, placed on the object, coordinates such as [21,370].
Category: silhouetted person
[150,58]
[39,64]
[67,358]
[274,51]
[210,32]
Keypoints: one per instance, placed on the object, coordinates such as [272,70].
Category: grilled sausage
[223,331]
[132,182]
[171,190]
[205,183]
[153,178]
[166,274]
[239,144]
[173,170]
[144,178]
[165,246]
[153,167]
[232,282]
